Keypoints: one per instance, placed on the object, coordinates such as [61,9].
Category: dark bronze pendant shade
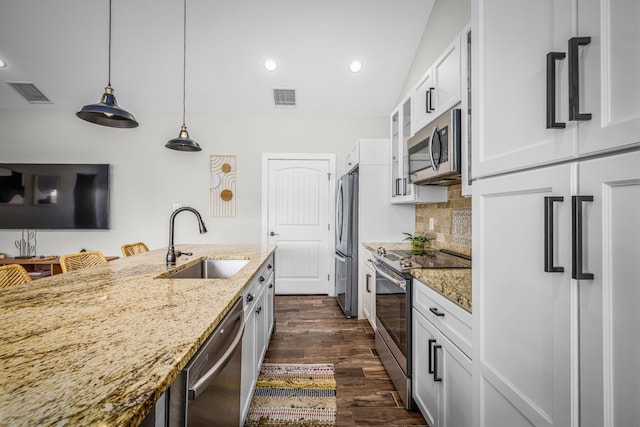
[107,112]
[183,142]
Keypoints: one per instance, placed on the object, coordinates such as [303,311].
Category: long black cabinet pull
[548,234]
[574,78]
[577,238]
[430,100]
[436,378]
[427,107]
[552,57]
[430,360]
[397,187]
[368,278]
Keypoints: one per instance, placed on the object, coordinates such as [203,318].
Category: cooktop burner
[404,260]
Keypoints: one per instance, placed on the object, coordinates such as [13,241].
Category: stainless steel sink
[211,269]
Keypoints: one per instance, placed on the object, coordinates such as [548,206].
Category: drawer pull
[436,312]
[249,297]
[259,310]
[261,279]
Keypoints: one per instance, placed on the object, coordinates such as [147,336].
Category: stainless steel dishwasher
[207,391]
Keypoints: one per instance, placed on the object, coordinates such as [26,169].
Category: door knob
[273,234]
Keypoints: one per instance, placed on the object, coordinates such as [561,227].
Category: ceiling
[62,47]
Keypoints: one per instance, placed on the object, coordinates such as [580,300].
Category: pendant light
[183,142]
[107,112]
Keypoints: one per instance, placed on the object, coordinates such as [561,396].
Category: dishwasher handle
[202,383]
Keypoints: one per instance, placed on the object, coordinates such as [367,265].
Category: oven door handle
[400,282]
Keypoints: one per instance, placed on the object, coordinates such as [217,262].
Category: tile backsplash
[451,221]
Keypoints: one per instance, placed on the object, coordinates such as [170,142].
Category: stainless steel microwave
[434,151]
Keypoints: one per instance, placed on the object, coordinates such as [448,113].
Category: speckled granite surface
[99,346]
[453,283]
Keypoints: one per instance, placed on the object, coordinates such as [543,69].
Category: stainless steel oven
[394,288]
[393,327]
[435,151]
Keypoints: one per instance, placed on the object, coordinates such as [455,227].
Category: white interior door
[299,212]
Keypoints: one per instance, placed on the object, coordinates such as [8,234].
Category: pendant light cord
[184,63]
[109,79]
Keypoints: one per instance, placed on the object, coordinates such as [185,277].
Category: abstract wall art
[222,185]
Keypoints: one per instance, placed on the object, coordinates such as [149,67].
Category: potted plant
[420,240]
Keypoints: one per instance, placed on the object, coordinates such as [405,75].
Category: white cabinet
[523,336]
[369,297]
[352,158]
[442,368]
[402,191]
[513,80]
[550,347]
[609,338]
[439,89]
[258,299]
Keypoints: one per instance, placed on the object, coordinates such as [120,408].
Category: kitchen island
[99,346]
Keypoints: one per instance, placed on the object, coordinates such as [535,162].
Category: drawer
[249,296]
[264,274]
[453,321]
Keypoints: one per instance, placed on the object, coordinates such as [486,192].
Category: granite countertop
[99,346]
[453,283]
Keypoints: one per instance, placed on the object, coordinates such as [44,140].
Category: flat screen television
[54,196]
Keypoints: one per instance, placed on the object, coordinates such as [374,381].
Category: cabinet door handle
[261,279]
[249,297]
[404,186]
[427,95]
[552,57]
[429,352]
[574,79]
[436,312]
[436,378]
[576,234]
[259,310]
[548,234]
[397,187]
[430,100]
[368,278]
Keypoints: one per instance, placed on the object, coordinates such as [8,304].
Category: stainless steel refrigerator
[346,272]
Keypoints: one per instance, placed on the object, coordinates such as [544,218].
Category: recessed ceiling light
[270,64]
[355,66]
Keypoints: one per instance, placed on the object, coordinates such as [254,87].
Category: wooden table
[49,263]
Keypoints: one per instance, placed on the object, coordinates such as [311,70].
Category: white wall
[147,178]
[447,18]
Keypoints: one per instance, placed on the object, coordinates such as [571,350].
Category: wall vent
[284,97]
[30,92]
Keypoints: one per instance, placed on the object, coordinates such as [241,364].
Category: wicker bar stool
[134,249]
[80,260]
[13,274]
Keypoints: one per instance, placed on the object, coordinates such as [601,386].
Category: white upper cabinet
[551,83]
[608,70]
[439,88]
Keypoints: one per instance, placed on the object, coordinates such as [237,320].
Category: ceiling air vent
[32,94]
[284,97]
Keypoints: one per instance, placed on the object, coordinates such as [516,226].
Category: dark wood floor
[313,329]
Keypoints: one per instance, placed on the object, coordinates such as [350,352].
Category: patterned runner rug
[294,395]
